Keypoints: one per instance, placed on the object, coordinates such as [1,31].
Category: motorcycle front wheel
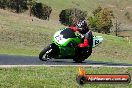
[45,53]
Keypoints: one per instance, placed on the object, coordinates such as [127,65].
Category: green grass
[90,5]
[55,77]
[113,49]
[22,36]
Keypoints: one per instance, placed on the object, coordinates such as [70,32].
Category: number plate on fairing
[59,38]
[97,40]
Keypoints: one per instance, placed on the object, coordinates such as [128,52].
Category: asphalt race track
[31,60]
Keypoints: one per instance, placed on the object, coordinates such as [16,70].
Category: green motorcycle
[64,46]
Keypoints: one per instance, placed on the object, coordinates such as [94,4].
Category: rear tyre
[78,60]
[45,54]
[81,54]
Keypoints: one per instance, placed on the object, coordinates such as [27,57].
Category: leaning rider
[83,29]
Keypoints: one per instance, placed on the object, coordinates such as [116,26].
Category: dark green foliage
[18,5]
[4,4]
[71,16]
[14,5]
[41,11]
[101,21]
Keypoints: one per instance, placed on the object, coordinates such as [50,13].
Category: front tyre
[45,53]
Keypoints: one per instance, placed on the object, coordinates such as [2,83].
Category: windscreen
[68,33]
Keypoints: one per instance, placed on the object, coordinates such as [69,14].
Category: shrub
[4,4]
[14,5]
[102,20]
[71,16]
[18,5]
[41,11]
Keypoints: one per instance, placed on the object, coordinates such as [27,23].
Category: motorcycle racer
[69,45]
[82,27]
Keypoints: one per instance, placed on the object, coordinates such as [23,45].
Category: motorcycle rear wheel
[78,60]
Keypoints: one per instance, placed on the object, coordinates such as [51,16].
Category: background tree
[4,4]
[101,21]
[41,11]
[18,5]
[71,16]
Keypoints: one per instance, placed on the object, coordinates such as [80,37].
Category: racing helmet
[82,25]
